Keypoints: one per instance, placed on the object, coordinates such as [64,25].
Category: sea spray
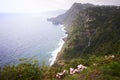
[57,50]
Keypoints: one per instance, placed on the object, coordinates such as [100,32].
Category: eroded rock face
[72,71]
[78,69]
[61,74]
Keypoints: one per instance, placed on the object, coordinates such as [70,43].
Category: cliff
[93,32]
[68,17]
[93,40]
[93,37]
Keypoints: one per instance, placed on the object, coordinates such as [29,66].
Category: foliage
[111,71]
[27,69]
[100,37]
[91,40]
[93,36]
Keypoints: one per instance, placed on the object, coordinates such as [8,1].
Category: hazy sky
[36,6]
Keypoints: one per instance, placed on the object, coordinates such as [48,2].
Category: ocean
[27,36]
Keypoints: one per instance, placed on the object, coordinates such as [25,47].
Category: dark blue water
[25,36]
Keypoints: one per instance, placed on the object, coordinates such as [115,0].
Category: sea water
[28,35]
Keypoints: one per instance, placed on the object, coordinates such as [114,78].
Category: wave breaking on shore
[60,44]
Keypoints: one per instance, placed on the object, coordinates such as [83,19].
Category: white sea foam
[63,28]
[56,51]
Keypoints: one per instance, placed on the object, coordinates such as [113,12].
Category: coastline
[56,51]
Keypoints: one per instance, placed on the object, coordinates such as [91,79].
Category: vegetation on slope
[94,32]
[28,69]
[93,40]
[94,35]
[99,68]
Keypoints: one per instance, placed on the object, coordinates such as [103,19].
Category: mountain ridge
[93,41]
[68,17]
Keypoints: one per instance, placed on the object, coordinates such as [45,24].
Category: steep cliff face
[68,17]
[94,32]
[104,28]
[93,40]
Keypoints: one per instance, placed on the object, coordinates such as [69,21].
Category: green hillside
[93,40]
[94,36]
[95,31]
